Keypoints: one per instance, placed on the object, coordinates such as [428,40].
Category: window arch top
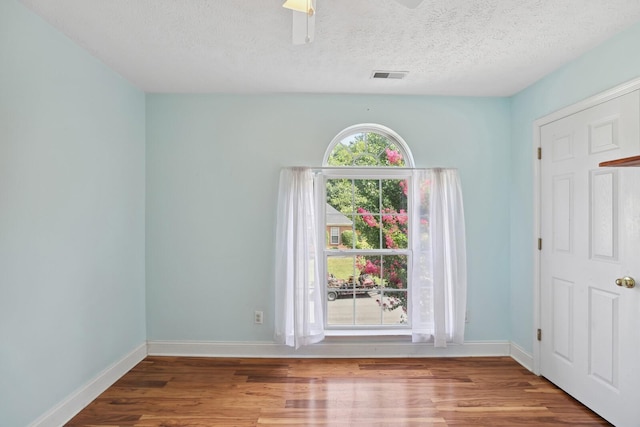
[368,145]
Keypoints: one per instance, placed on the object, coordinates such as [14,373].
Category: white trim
[537,233]
[78,400]
[377,331]
[592,101]
[518,354]
[333,347]
[355,172]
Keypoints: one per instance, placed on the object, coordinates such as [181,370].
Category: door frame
[589,102]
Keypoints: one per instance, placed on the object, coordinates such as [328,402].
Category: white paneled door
[590,225]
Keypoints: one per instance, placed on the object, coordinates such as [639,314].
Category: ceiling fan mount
[304,17]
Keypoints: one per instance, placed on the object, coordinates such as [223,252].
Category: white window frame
[359,172]
[336,235]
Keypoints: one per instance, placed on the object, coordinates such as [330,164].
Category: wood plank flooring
[182,391]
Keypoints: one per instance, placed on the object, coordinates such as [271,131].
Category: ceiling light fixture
[304,6]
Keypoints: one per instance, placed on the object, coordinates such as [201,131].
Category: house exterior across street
[337,222]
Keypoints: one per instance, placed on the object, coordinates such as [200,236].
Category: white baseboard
[333,347]
[69,407]
[522,357]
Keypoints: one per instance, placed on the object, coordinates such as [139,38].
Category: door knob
[626,282]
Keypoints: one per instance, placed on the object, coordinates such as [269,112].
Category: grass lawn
[341,267]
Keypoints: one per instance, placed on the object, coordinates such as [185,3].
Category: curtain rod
[370,168]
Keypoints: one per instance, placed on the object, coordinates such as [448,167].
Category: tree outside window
[373,260]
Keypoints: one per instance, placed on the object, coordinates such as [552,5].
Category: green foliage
[347,238]
[340,195]
[399,238]
[365,149]
[340,156]
[370,235]
[362,244]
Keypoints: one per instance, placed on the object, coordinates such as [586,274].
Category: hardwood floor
[181,391]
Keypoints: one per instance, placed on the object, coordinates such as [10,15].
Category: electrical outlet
[257,317]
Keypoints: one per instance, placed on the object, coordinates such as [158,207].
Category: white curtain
[299,319]
[439,267]
[439,285]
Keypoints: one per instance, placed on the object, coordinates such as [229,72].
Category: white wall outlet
[257,317]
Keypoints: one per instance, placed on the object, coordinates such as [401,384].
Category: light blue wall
[72,144]
[604,67]
[72,202]
[212,175]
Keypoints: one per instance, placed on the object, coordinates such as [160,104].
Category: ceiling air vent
[397,75]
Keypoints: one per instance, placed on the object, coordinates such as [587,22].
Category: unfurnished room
[319,212]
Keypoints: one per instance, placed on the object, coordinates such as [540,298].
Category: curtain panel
[299,319]
[439,271]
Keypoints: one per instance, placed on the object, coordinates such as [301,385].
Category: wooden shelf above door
[627,161]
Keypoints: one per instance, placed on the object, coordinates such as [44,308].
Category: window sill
[366,332]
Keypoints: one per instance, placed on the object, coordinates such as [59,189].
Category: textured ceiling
[449,47]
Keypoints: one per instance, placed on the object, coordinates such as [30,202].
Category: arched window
[368,145]
[365,187]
